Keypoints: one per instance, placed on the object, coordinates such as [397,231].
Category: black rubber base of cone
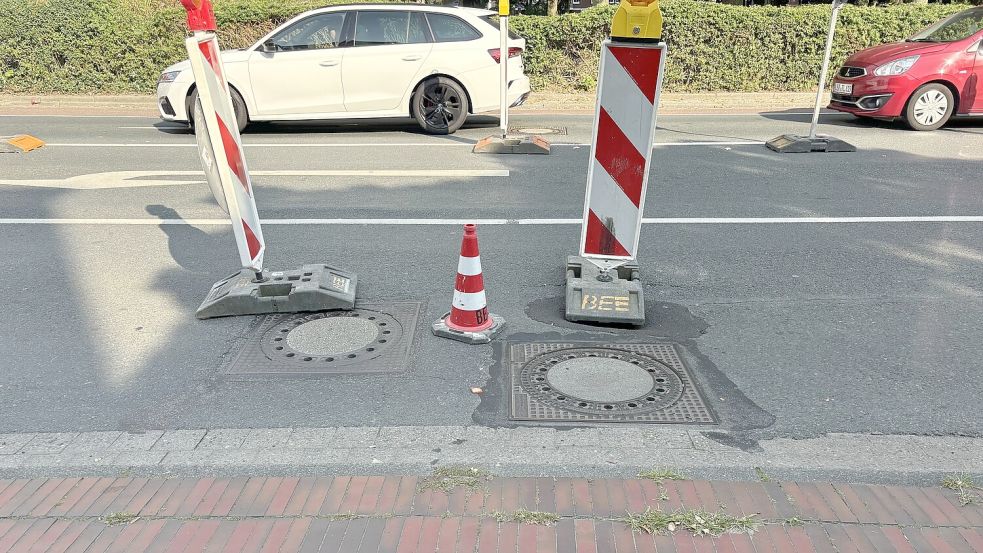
[441,329]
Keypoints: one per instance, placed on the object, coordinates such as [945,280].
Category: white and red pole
[503,57]
[621,150]
[219,142]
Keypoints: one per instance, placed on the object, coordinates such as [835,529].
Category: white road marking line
[137,179]
[162,127]
[501,222]
[375,145]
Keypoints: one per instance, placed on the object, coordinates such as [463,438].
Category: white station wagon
[431,63]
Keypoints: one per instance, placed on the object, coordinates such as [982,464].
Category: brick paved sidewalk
[396,514]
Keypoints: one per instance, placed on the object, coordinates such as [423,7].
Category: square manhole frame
[525,408]
[251,361]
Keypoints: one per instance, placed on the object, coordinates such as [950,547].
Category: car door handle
[328,63]
[412,58]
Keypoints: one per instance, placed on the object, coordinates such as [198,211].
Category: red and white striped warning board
[621,152]
[219,142]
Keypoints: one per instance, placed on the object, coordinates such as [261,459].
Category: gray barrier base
[512,145]
[613,297]
[310,288]
[796,144]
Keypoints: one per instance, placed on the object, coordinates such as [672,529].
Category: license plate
[843,88]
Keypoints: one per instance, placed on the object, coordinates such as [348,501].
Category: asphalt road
[792,328]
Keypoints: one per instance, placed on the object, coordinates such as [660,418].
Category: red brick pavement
[391,514]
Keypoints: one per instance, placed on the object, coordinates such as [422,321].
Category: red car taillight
[496,53]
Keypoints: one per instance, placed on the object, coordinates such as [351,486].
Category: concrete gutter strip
[559,102]
[584,452]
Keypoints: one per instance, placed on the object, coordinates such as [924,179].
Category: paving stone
[53,442]
[356,437]
[630,437]
[223,438]
[577,437]
[12,443]
[179,440]
[93,441]
[311,438]
[266,438]
[421,437]
[137,441]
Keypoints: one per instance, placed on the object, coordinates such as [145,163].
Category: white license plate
[843,88]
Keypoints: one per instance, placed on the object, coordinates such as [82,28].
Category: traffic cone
[468,320]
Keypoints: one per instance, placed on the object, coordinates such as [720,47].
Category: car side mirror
[268,47]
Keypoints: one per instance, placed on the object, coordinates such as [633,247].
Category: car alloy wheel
[931,107]
[440,105]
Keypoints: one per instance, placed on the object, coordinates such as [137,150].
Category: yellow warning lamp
[639,20]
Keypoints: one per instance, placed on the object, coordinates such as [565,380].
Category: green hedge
[120,46]
[722,47]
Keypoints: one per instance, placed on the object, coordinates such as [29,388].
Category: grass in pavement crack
[966,490]
[527,517]
[119,518]
[447,479]
[661,475]
[698,522]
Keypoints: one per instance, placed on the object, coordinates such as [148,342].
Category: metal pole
[837,4]
[503,56]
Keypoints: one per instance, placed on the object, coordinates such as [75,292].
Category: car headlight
[168,77]
[896,67]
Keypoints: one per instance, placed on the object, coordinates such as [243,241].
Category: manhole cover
[537,130]
[333,335]
[370,338]
[611,382]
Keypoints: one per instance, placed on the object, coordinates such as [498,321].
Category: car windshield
[955,27]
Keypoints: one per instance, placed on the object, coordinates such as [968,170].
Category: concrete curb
[584,452]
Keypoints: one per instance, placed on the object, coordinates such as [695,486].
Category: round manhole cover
[332,336]
[337,337]
[601,381]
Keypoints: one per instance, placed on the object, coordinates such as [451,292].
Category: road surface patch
[634,383]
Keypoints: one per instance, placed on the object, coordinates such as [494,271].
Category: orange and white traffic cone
[468,320]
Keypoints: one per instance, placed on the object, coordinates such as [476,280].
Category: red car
[924,80]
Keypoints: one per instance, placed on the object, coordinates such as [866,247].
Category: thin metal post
[503,56]
[837,4]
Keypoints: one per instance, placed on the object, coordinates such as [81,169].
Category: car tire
[238,105]
[440,105]
[929,107]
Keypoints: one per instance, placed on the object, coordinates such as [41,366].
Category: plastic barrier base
[512,145]
[613,296]
[441,329]
[311,288]
[796,144]
[21,143]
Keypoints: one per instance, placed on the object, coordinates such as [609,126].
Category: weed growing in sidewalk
[762,475]
[343,516]
[698,522]
[116,519]
[661,475]
[966,490]
[527,517]
[447,479]
[793,521]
